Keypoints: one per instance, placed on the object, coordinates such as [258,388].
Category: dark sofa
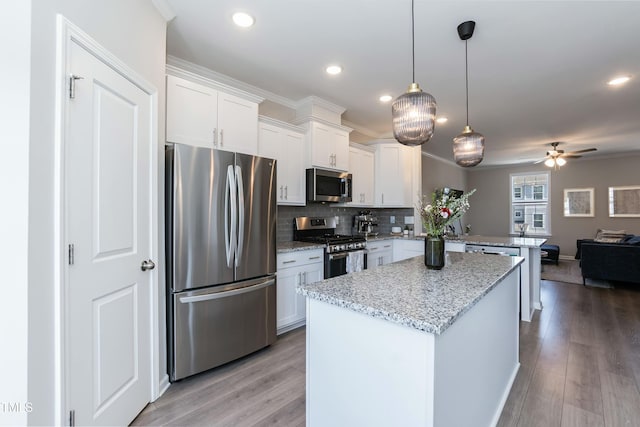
[610,261]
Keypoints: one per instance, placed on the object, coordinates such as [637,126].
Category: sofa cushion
[610,236]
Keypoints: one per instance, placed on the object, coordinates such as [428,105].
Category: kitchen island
[526,247]
[404,345]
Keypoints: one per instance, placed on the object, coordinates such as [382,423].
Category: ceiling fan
[556,158]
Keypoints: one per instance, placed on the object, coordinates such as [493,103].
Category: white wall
[133,31]
[14,215]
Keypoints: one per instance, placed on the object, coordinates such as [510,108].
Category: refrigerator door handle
[230,210]
[240,186]
[225,294]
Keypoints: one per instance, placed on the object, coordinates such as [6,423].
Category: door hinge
[71,253]
[72,418]
[72,85]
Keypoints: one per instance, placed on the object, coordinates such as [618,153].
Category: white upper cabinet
[396,175]
[203,116]
[192,112]
[282,142]
[361,166]
[329,146]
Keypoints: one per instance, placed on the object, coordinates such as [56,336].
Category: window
[530,209]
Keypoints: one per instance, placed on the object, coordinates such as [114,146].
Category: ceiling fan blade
[586,150]
[539,161]
[570,156]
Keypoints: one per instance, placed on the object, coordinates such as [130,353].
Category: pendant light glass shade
[468,148]
[414,115]
[413,112]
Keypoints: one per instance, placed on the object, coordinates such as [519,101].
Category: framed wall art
[578,202]
[624,201]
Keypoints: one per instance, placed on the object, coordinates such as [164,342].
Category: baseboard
[566,257]
[291,327]
[163,386]
[505,396]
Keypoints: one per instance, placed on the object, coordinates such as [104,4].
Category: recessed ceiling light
[386,98]
[620,80]
[334,69]
[442,120]
[243,20]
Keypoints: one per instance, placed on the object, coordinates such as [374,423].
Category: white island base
[367,371]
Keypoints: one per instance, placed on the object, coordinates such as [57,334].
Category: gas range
[337,242]
[323,231]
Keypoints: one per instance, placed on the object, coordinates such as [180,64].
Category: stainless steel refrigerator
[221,256]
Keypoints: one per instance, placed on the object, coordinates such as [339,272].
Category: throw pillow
[610,236]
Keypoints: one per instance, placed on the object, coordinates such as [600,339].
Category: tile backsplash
[345,215]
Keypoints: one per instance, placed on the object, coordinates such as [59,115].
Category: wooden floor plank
[580,366]
[576,417]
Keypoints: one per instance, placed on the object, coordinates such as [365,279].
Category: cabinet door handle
[215,137]
[387,246]
[281,192]
[383,198]
[289,262]
[286,192]
[221,137]
[314,257]
[304,275]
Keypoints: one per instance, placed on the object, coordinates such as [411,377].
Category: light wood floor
[580,366]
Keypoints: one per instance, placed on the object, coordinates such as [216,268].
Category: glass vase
[434,252]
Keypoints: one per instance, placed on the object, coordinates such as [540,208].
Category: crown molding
[280,123]
[175,64]
[166,11]
[320,102]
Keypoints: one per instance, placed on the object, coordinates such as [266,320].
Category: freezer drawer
[216,325]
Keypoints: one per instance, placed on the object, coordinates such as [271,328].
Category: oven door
[335,264]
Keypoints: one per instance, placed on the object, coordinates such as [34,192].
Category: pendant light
[413,112]
[468,147]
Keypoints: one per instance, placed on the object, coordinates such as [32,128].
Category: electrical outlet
[392,219]
[337,219]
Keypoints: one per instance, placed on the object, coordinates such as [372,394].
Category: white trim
[199,74]
[320,102]
[280,123]
[165,9]
[67,33]
[306,122]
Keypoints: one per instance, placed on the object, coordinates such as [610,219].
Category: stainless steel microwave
[328,186]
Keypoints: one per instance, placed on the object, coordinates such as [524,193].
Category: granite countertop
[521,242]
[285,247]
[407,293]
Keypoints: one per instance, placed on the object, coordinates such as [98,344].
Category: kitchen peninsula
[526,247]
[404,345]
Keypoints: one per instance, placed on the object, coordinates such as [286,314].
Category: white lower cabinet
[404,249]
[454,246]
[295,268]
[379,253]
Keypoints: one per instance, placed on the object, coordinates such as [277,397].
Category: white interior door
[108,222]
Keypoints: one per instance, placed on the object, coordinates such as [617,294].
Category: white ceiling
[537,70]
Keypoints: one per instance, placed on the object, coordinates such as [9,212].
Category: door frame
[67,33]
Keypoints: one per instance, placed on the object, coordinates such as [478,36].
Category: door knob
[147,265]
